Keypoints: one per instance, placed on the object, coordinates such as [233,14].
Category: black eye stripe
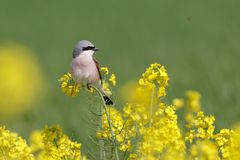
[88,48]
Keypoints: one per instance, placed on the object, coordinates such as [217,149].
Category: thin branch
[109,122]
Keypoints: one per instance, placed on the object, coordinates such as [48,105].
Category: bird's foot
[90,88]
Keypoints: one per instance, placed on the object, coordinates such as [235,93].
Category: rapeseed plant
[13,147]
[145,129]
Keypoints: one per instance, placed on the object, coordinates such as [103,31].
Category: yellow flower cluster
[228,142]
[200,126]
[200,129]
[121,129]
[36,143]
[13,147]
[193,104]
[155,76]
[178,103]
[148,129]
[204,143]
[107,81]
[193,101]
[49,144]
[68,85]
[59,146]
[161,138]
[112,79]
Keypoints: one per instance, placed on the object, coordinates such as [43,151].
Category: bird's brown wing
[107,100]
[98,68]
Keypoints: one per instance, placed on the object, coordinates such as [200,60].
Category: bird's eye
[88,48]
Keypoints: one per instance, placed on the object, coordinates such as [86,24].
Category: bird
[85,69]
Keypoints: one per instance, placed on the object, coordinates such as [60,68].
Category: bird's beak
[96,49]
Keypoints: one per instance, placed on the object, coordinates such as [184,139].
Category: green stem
[100,141]
[109,122]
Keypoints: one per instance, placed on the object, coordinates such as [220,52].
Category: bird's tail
[107,100]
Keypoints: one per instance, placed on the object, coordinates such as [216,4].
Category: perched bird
[85,69]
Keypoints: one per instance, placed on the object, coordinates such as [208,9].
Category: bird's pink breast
[84,70]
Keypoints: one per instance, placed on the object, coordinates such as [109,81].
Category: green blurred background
[197,41]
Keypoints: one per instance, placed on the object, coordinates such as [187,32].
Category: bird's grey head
[82,46]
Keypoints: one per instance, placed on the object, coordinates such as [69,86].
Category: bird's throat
[85,58]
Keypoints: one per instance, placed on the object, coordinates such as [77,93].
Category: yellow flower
[200,126]
[99,135]
[155,75]
[193,105]
[104,70]
[106,88]
[116,120]
[121,129]
[68,85]
[58,146]
[13,147]
[125,146]
[193,101]
[162,136]
[228,142]
[36,141]
[178,103]
[113,79]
